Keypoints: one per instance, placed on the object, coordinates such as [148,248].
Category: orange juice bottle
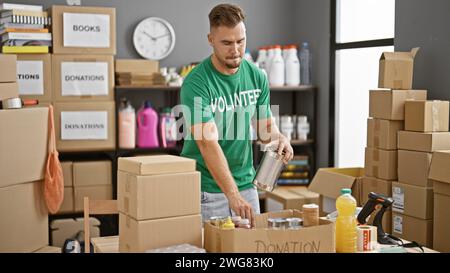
[346,222]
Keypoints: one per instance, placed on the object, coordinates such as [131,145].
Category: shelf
[295,142]
[176,88]
[292,88]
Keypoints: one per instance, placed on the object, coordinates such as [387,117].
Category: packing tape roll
[13,103]
[366,238]
[435,107]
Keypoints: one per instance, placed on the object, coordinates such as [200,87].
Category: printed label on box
[398,224]
[86,125]
[84,79]
[30,77]
[398,195]
[86,30]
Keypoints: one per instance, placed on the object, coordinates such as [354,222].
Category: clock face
[154,38]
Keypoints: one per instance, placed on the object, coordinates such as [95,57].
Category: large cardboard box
[413,229]
[396,69]
[103,192]
[381,163]
[83,78]
[376,185]
[282,198]
[314,239]
[69,228]
[328,182]
[423,142]
[153,196]
[67,205]
[136,65]
[413,168]
[85,126]
[49,249]
[390,104]
[139,236]
[9,90]
[67,168]
[24,224]
[440,174]
[34,76]
[83,30]
[92,173]
[412,200]
[426,116]
[8,68]
[382,133]
[23,145]
[156,164]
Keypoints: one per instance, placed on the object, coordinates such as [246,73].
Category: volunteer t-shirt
[231,101]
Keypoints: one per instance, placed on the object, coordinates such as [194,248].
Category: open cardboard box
[261,239]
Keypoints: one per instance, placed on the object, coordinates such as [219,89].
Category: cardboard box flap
[329,181]
[157,164]
[439,169]
[400,55]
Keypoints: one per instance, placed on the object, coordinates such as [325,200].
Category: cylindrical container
[168,128]
[127,125]
[294,223]
[310,215]
[277,223]
[346,222]
[268,171]
[228,224]
[244,223]
[292,64]
[147,121]
[364,238]
[302,128]
[287,126]
[276,74]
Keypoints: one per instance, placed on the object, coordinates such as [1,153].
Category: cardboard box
[67,167]
[382,134]
[9,90]
[34,76]
[103,192]
[156,164]
[136,65]
[413,168]
[68,202]
[396,69]
[49,249]
[282,199]
[151,197]
[24,224]
[314,239]
[373,184]
[413,229]
[328,182]
[69,228]
[87,126]
[83,78]
[390,104]
[423,142]
[106,244]
[412,200]
[381,163]
[8,68]
[426,116]
[139,236]
[92,173]
[83,30]
[440,175]
[23,145]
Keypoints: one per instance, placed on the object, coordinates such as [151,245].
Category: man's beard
[233,65]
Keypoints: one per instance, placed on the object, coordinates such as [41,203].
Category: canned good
[294,223]
[217,220]
[277,223]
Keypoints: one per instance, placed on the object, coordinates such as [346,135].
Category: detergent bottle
[127,125]
[346,222]
[147,121]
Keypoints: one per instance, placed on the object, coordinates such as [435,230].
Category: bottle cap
[346,190]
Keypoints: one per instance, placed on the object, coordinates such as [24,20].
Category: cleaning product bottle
[147,121]
[346,222]
[168,128]
[276,74]
[292,66]
[127,125]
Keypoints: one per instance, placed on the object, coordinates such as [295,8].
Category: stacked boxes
[34,77]
[387,115]
[426,130]
[159,203]
[23,142]
[8,84]
[84,45]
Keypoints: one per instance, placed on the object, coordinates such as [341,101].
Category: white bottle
[270,54]
[292,67]
[285,51]
[276,74]
[305,65]
[287,126]
[302,128]
[262,57]
[248,56]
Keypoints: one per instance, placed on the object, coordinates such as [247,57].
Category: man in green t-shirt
[223,95]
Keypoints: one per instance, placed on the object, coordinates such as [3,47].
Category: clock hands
[151,37]
[164,35]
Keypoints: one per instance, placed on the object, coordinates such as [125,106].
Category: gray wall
[426,24]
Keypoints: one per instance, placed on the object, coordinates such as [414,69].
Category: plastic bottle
[285,51]
[168,128]
[262,57]
[292,66]
[248,56]
[147,121]
[127,125]
[346,222]
[228,224]
[276,74]
[270,54]
[302,128]
[305,64]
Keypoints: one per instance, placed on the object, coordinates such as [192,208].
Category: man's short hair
[228,15]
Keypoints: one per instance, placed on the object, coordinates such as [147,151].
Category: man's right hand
[241,207]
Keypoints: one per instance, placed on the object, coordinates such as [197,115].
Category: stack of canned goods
[238,222]
[285,223]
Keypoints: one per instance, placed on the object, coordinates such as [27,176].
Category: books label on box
[86,30]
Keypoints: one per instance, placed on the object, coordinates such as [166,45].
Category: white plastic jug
[292,67]
[276,74]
